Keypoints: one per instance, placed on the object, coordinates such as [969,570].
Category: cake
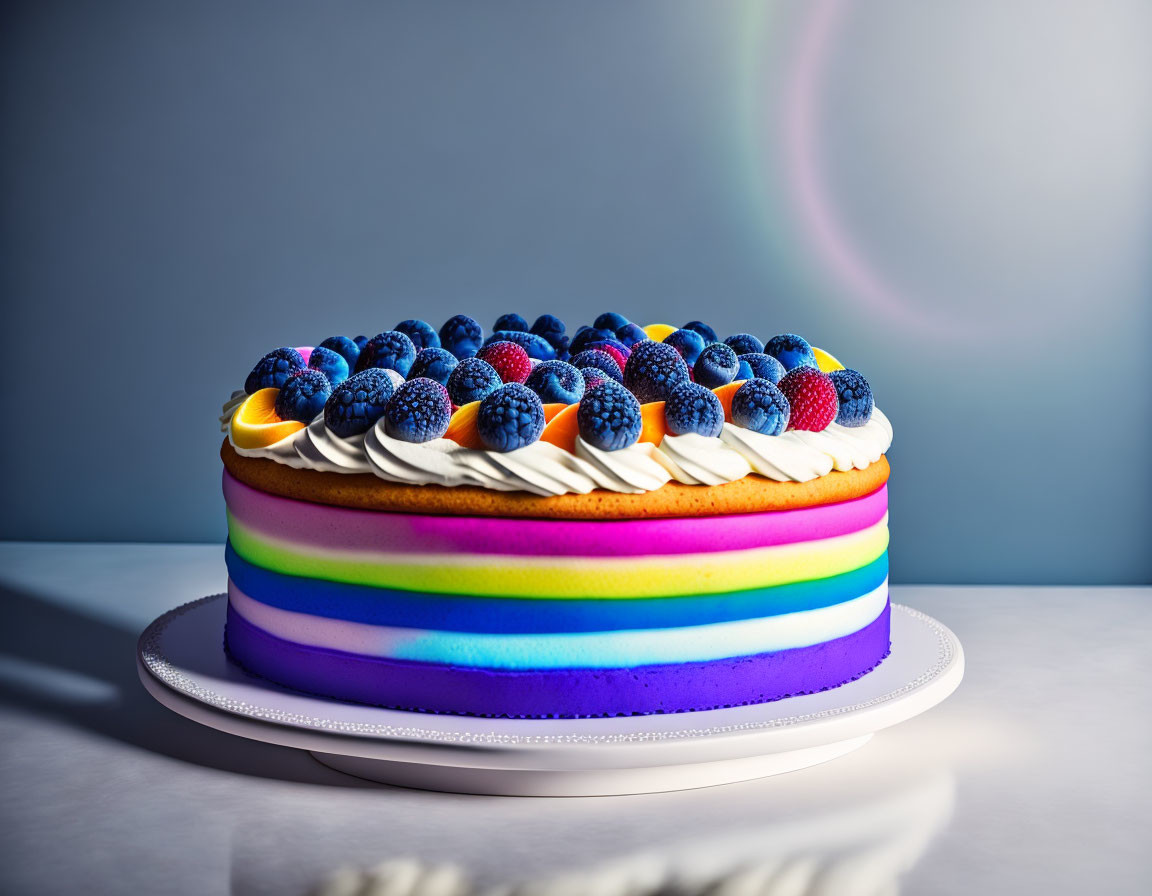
[625,521]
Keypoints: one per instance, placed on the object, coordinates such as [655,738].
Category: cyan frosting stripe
[584,650]
[471,613]
[569,577]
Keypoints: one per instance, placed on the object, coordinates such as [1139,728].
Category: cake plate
[182,663]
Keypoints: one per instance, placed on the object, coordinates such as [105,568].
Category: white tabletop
[1034,777]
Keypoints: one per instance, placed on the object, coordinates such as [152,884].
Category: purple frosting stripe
[559,693]
[323,526]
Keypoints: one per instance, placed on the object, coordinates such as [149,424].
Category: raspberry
[812,397]
[508,359]
[536,346]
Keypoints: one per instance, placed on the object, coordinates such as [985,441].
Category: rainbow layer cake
[526,524]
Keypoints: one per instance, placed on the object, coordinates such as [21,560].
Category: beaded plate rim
[152,657]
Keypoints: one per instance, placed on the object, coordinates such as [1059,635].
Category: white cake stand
[182,663]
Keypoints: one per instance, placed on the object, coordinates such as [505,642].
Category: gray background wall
[952,197]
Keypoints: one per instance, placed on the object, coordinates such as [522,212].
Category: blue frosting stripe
[468,613]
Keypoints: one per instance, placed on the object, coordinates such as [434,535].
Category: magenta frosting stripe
[559,693]
[324,526]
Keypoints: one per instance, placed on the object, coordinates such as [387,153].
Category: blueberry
[791,350]
[556,382]
[551,329]
[653,369]
[716,366]
[420,332]
[329,363]
[472,380]
[511,322]
[610,320]
[703,329]
[343,346]
[593,377]
[435,364]
[536,346]
[273,369]
[630,334]
[358,402]
[758,405]
[742,343]
[855,397]
[585,336]
[303,395]
[592,357]
[743,369]
[510,418]
[462,336]
[691,407]
[764,367]
[418,411]
[391,350]
[609,417]
[360,341]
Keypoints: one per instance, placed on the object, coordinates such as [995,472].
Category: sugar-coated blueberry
[472,380]
[593,377]
[764,366]
[743,369]
[511,322]
[303,395]
[742,343]
[329,363]
[703,329]
[688,342]
[343,346]
[791,350]
[630,334]
[556,382]
[536,346]
[609,417]
[391,350]
[716,366]
[653,369]
[273,369]
[420,332]
[551,329]
[592,357]
[462,336]
[855,397]
[435,364]
[585,336]
[691,407]
[610,320]
[760,406]
[358,402]
[418,411]
[360,341]
[510,418]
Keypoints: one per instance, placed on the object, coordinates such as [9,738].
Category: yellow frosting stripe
[568,577]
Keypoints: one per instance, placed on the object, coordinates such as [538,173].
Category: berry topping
[358,402]
[743,370]
[688,342]
[551,329]
[556,382]
[329,363]
[510,418]
[395,377]
[594,376]
[360,341]
[536,346]
[812,396]
[435,364]
[617,351]
[855,397]
[742,343]
[273,369]
[508,359]
[462,336]
[716,365]
[418,411]
[343,346]
[472,380]
[760,406]
[703,329]
[303,395]
[764,367]
[610,320]
[609,417]
[585,336]
[512,322]
[653,369]
[692,408]
[602,361]
[391,350]
[420,332]
[630,334]
[791,350]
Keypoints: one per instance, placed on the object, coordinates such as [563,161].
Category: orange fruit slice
[725,393]
[256,424]
[653,426]
[462,427]
[659,332]
[563,429]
